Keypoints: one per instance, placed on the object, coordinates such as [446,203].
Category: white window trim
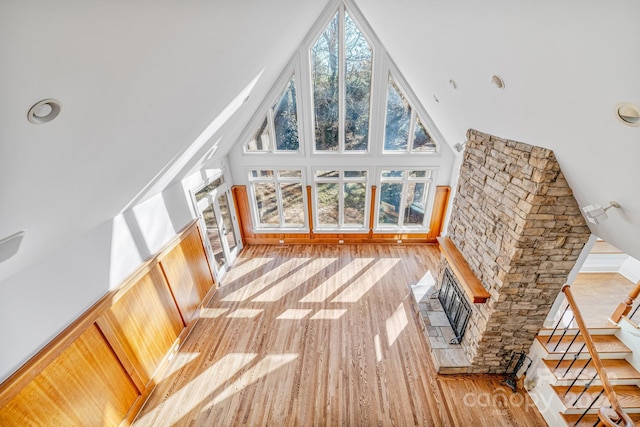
[357,18]
[417,113]
[407,229]
[341,180]
[266,111]
[255,217]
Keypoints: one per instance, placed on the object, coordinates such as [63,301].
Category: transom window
[280,125]
[278,198]
[204,191]
[403,198]
[403,125]
[341,61]
[341,197]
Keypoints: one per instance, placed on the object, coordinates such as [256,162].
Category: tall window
[404,131]
[278,197]
[341,62]
[403,198]
[280,125]
[341,197]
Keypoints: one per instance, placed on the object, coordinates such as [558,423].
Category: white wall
[39,302]
[631,269]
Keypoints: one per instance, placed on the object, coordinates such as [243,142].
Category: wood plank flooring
[322,335]
[598,295]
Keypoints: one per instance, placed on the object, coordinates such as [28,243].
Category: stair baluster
[577,355]
[558,323]
[590,406]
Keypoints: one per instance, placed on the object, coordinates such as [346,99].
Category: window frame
[417,114]
[258,227]
[341,180]
[405,180]
[293,72]
[342,10]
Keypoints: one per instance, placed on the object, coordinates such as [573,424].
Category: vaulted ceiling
[148,87]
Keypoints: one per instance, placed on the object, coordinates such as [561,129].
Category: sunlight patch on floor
[368,280]
[426,284]
[378,346]
[179,361]
[338,280]
[261,369]
[304,274]
[294,314]
[192,393]
[245,313]
[329,314]
[396,323]
[264,281]
[239,270]
[212,313]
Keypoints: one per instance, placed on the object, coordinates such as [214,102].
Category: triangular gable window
[280,125]
[403,125]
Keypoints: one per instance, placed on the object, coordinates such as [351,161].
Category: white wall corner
[630,269]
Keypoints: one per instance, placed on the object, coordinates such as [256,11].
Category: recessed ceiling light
[435,98]
[44,111]
[497,81]
[453,84]
[628,113]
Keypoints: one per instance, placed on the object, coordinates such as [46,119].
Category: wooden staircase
[575,380]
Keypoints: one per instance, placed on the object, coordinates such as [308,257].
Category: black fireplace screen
[455,305]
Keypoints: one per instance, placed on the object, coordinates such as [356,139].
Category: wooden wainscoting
[243,212]
[100,370]
[188,275]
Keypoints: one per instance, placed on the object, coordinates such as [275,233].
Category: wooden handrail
[625,307]
[608,416]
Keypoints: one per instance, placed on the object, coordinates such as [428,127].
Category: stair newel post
[625,307]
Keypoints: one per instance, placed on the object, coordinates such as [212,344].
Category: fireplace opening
[455,305]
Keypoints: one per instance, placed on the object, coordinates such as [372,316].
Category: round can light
[44,111]
[497,81]
[628,114]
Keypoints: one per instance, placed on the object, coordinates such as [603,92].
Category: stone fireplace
[519,230]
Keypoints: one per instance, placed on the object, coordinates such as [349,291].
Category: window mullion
[403,199]
[279,201]
[341,80]
[412,130]
[271,128]
[341,201]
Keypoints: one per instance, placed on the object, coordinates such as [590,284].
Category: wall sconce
[9,245]
[596,214]
[460,147]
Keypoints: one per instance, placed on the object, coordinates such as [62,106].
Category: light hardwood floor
[599,294]
[323,335]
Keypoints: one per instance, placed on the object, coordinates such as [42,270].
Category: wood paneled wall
[243,211]
[100,370]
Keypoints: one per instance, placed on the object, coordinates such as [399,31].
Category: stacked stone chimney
[517,224]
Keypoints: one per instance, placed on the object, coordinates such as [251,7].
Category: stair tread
[603,344]
[628,396]
[589,420]
[572,330]
[618,369]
